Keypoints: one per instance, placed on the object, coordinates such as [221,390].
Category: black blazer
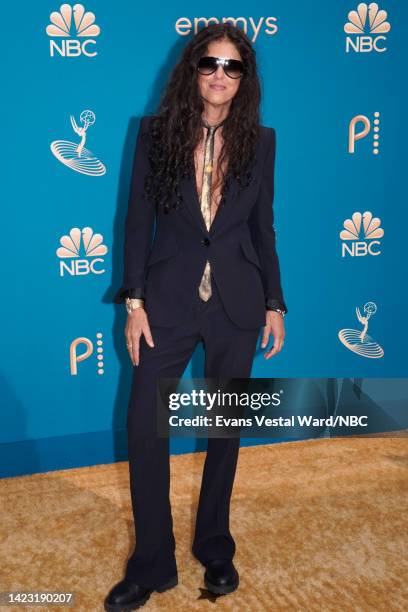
[240,245]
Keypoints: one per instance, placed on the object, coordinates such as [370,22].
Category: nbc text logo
[367,26]
[74,30]
[360,235]
[72,261]
[355,134]
[75,356]
[75,155]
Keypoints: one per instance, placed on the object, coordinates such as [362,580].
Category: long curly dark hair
[176,130]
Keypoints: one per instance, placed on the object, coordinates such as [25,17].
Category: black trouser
[229,353]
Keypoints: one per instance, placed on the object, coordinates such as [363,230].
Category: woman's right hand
[136,325]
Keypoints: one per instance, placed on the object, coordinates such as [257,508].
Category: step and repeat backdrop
[76,80]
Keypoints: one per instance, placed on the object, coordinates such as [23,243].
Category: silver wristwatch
[133,303]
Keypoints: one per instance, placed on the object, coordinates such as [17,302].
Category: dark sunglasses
[232,67]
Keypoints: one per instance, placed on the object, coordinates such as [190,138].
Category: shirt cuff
[273,304]
[134,292]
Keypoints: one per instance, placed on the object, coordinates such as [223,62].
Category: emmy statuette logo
[358,341]
[72,32]
[361,235]
[72,262]
[77,156]
[366,28]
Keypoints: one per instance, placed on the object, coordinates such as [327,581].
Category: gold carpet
[320,525]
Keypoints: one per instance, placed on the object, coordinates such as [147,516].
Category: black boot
[128,595]
[221,577]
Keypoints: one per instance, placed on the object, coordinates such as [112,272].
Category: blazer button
[205,241]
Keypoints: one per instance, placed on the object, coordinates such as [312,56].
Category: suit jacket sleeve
[263,233]
[139,223]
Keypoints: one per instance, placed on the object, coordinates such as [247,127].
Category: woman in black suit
[203,176]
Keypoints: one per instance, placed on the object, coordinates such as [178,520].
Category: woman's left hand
[274,325]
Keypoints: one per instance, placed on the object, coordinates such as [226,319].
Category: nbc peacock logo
[75,155]
[366,28]
[361,235]
[81,252]
[72,32]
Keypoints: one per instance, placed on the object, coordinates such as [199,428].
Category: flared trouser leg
[153,560]
[229,352]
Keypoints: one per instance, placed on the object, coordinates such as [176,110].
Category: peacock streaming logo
[361,235]
[81,349]
[366,28]
[72,32]
[81,253]
[360,128]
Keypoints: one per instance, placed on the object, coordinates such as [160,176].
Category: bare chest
[216,177]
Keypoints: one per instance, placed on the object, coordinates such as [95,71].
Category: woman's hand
[274,325]
[136,325]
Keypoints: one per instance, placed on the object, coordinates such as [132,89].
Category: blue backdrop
[334,85]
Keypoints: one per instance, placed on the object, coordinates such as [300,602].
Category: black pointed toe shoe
[128,595]
[221,577]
